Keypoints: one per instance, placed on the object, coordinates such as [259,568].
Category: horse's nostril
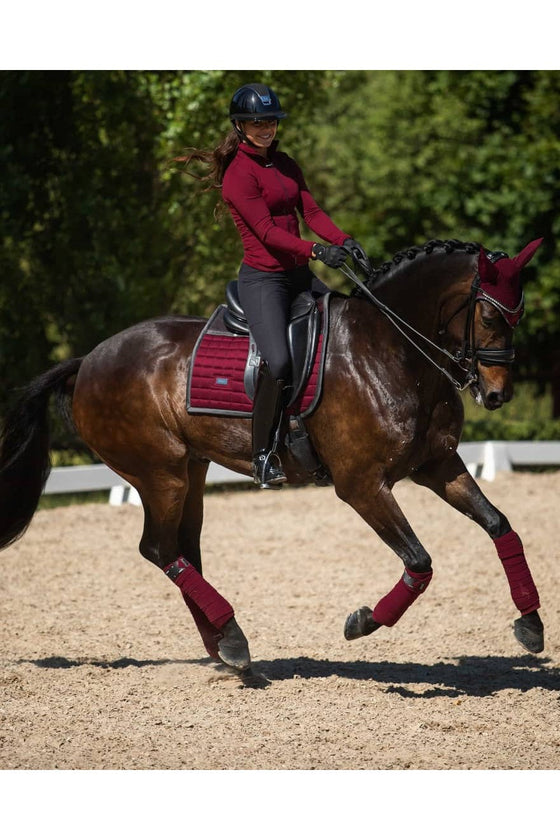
[495,399]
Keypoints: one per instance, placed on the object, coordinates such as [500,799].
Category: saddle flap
[234,317]
[303,335]
[232,300]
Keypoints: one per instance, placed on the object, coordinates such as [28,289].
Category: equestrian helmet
[255,101]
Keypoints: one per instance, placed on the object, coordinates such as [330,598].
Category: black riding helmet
[255,101]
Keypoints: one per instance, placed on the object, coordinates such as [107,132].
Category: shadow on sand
[56,662]
[471,676]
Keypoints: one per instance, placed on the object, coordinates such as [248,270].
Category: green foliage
[526,417]
[84,250]
[406,156]
[496,428]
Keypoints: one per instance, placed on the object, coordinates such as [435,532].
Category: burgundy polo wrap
[500,282]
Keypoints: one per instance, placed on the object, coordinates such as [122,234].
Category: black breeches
[266,298]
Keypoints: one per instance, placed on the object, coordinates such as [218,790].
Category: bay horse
[389,410]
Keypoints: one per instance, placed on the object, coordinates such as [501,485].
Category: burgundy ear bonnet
[500,282]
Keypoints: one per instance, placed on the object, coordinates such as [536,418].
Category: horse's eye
[487,321]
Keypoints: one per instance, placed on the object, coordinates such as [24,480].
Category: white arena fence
[100,477]
[484,460]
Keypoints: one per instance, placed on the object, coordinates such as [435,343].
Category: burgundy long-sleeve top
[263,195]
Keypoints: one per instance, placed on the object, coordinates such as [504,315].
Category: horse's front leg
[380,510]
[451,481]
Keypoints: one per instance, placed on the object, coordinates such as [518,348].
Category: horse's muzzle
[492,388]
[494,400]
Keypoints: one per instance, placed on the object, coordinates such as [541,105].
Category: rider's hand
[332,255]
[355,248]
[358,255]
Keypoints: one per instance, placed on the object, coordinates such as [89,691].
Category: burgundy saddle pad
[218,372]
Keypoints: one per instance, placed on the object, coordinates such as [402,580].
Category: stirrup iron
[267,470]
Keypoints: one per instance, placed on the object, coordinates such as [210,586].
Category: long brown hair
[216,161]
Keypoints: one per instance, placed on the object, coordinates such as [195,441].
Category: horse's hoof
[360,623]
[233,648]
[252,679]
[529,631]
[245,678]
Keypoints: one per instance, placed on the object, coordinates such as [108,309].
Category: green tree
[412,155]
[84,250]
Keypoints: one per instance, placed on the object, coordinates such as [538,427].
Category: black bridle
[468,355]
[471,354]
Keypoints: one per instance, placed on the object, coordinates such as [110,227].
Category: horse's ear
[527,253]
[486,269]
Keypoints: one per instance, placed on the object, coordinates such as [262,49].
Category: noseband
[468,355]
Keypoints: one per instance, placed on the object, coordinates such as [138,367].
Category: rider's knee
[280,367]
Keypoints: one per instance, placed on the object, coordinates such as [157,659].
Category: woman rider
[263,188]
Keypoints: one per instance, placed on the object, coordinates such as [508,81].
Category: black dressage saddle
[303,334]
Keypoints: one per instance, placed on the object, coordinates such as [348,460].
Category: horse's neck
[424,288]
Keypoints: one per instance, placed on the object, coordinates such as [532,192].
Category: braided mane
[447,245]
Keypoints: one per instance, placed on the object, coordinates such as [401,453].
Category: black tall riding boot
[267,416]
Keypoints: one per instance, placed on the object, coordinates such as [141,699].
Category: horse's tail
[24,451]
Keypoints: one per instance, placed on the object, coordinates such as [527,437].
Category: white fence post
[496,459]
[124,493]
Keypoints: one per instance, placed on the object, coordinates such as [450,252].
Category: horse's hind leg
[381,511]
[173,507]
[228,643]
[451,481]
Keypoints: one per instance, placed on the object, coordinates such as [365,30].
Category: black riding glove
[355,248]
[332,255]
[358,255]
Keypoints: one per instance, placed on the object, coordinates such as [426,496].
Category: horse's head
[491,384]
[496,309]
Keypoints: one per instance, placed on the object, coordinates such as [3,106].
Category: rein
[466,357]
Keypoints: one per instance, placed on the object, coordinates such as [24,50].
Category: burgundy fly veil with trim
[500,282]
